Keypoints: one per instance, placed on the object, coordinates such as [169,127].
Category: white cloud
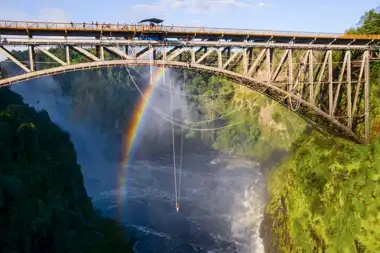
[197,6]
[262,4]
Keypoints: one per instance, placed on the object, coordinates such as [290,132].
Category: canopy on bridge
[152,20]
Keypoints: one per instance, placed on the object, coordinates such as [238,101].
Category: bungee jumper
[177,188]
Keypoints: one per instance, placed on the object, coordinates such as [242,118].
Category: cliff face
[44,206]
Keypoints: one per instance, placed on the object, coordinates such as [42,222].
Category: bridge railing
[172,29]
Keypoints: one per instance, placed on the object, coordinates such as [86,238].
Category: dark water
[221,205]
[222,198]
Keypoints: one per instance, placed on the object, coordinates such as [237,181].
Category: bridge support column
[311,78]
[290,74]
[133,51]
[154,54]
[367,122]
[228,53]
[31,58]
[220,59]
[192,55]
[349,91]
[68,55]
[331,94]
[269,64]
[245,61]
[250,56]
[100,52]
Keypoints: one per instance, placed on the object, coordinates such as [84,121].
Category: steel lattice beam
[303,78]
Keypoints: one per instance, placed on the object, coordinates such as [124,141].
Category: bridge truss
[326,84]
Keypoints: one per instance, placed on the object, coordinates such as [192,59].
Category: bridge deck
[27,28]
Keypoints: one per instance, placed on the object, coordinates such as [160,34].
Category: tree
[369,23]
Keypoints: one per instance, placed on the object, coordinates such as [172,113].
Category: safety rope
[181,157]
[173,144]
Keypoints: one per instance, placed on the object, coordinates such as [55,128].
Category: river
[221,205]
[222,197]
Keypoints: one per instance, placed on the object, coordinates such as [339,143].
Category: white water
[221,206]
[222,197]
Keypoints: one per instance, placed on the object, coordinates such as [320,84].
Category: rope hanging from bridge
[173,144]
[181,156]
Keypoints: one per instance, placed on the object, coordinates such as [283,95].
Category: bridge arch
[307,111]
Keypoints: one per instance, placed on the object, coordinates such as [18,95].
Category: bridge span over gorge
[325,78]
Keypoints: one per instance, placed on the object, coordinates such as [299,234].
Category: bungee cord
[178,169]
[174,158]
[181,156]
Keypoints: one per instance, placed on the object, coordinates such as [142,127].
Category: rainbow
[131,134]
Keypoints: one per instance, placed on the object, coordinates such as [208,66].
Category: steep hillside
[44,206]
[325,197]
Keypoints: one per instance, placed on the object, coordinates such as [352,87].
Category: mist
[222,197]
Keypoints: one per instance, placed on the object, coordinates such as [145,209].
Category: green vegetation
[257,126]
[326,196]
[44,206]
[323,198]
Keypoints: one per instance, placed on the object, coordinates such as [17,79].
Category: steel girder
[328,85]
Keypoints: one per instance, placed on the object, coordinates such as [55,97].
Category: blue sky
[293,15]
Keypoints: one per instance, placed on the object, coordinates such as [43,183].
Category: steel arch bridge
[324,78]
